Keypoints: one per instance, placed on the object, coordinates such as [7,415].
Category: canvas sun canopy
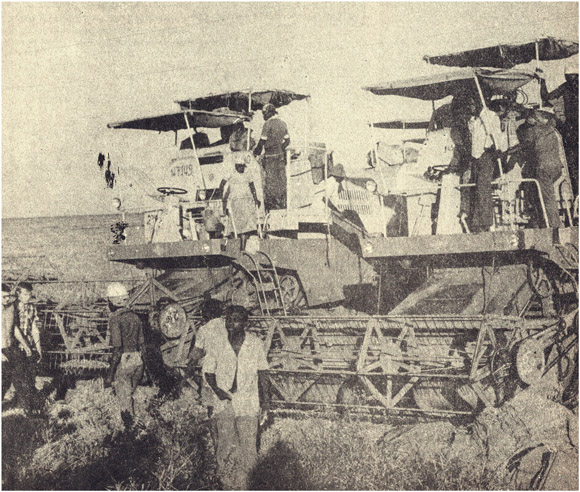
[402,125]
[238,101]
[434,87]
[508,55]
[176,121]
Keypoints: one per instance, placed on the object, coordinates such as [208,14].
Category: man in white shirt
[232,373]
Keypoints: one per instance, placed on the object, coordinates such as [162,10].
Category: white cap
[117,289]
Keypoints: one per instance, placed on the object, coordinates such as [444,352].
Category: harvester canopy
[507,55]
[176,121]
[239,101]
[460,81]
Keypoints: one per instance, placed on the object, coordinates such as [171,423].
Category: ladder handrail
[253,260]
[275,279]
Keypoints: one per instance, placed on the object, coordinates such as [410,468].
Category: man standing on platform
[274,140]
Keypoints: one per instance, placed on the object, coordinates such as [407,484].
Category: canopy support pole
[249,137]
[194,149]
[537,70]
[486,131]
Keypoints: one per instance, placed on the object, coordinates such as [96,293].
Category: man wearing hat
[274,140]
[545,157]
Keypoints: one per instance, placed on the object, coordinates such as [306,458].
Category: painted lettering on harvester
[182,170]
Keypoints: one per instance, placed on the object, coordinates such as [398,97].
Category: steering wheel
[169,190]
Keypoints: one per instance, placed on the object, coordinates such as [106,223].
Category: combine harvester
[459,321]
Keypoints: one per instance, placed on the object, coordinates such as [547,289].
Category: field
[70,249]
[82,444]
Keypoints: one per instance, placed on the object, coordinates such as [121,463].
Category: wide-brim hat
[337,171]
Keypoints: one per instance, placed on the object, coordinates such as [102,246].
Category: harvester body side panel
[485,242]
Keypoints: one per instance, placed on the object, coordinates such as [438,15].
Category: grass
[325,454]
[82,445]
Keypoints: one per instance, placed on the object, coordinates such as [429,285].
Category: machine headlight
[368,248]
[117,203]
[371,185]
[201,195]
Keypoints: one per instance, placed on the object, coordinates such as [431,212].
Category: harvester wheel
[292,292]
[173,320]
[530,361]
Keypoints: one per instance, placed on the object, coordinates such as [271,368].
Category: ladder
[265,280]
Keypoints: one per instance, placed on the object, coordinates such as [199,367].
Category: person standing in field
[128,341]
[7,336]
[274,141]
[28,351]
[212,333]
[231,371]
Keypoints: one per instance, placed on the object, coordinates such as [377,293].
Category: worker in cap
[274,141]
[126,334]
[564,99]
[545,160]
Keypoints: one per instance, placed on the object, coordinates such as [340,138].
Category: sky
[68,69]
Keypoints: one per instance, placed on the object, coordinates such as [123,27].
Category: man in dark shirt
[565,101]
[274,140]
[542,145]
[126,367]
